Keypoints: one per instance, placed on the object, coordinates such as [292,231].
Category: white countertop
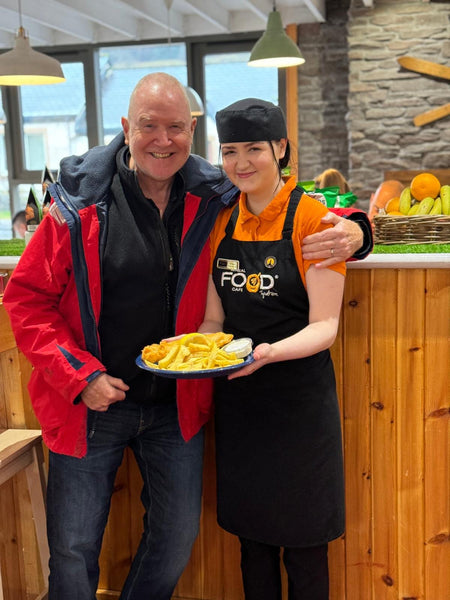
[402,261]
[8,262]
[373,261]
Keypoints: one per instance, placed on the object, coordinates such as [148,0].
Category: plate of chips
[194,356]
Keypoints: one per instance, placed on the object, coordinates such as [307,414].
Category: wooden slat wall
[383,432]
[391,360]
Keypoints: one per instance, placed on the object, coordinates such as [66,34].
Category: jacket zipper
[87,313]
[167,261]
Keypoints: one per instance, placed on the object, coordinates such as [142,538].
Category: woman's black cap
[250,120]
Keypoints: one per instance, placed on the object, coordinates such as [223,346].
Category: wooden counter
[392,366]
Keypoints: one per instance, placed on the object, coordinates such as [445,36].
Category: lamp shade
[24,66]
[275,48]
[195,102]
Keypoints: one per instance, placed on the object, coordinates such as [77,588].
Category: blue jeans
[79,494]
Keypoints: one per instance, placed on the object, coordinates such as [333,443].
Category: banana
[445,198]
[413,210]
[405,201]
[425,206]
[437,207]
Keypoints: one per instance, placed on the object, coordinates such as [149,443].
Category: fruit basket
[412,229]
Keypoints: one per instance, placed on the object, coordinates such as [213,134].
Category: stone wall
[357,104]
[323,92]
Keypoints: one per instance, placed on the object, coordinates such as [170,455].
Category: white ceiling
[61,22]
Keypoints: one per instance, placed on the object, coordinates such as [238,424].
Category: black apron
[278,434]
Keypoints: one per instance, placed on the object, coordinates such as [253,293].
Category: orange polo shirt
[268,225]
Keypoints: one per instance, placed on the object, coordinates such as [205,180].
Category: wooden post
[292,104]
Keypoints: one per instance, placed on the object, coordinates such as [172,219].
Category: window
[122,67]
[228,78]
[34,146]
[54,119]
[5,210]
[49,122]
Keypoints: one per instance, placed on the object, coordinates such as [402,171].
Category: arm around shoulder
[362,220]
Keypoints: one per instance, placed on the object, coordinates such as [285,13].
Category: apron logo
[270,262]
[227,264]
[263,283]
[253,282]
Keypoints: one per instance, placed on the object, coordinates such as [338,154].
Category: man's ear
[126,128]
[193,125]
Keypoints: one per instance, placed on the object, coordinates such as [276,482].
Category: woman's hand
[263,354]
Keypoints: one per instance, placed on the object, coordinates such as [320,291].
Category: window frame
[196,49]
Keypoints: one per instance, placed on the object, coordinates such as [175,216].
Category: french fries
[192,352]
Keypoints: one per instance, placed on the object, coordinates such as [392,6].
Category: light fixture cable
[20,14]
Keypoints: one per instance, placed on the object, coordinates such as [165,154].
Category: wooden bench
[21,449]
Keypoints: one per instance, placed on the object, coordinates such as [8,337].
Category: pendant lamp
[195,102]
[24,66]
[275,48]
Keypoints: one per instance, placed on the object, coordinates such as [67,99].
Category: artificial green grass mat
[13,247]
[411,248]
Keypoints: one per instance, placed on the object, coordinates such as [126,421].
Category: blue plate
[203,374]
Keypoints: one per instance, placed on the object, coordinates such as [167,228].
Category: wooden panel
[30,420]
[11,565]
[7,340]
[336,549]
[292,104]
[11,389]
[356,320]
[30,556]
[437,435]
[410,447]
[383,433]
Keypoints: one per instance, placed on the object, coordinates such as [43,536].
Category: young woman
[278,438]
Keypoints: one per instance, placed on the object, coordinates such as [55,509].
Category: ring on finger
[332,251]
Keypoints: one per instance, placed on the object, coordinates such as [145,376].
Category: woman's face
[253,166]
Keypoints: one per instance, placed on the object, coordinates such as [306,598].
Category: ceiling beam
[317,9]
[260,8]
[98,11]
[157,14]
[212,13]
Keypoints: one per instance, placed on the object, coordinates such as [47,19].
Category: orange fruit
[393,205]
[396,213]
[425,185]
[385,191]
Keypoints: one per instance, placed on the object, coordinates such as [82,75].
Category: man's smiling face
[159,131]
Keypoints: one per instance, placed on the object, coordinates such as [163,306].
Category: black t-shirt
[139,275]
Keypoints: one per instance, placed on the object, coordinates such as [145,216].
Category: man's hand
[103,391]
[335,244]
